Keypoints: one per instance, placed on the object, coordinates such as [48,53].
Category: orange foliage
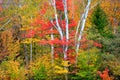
[111,8]
[0,8]
[104,75]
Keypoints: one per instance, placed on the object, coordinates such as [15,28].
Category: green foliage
[41,68]
[88,63]
[12,70]
[100,21]
[110,53]
[13,57]
[60,69]
[112,62]
[40,73]
[112,45]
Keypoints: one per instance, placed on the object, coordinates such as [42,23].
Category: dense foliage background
[32,47]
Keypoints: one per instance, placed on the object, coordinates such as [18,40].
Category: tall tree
[99,20]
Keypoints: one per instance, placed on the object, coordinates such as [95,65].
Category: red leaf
[43,11]
[72,23]
[56,55]
[1,18]
[30,33]
[97,44]
[43,42]
[59,5]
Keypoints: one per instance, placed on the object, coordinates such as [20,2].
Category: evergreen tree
[99,20]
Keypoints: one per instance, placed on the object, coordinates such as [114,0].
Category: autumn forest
[59,39]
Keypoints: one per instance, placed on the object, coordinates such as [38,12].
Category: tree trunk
[26,56]
[82,27]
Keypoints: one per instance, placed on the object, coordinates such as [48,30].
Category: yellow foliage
[29,40]
[58,68]
[11,69]
[13,49]
[94,50]
[10,46]
[63,71]
[65,63]
[42,60]
[28,28]
[110,8]
[24,7]
[13,65]
[24,28]
[88,23]
[2,74]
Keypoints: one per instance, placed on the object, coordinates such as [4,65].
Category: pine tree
[99,20]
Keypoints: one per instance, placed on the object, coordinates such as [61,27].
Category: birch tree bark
[26,56]
[67,28]
[82,25]
[56,19]
[79,29]
[31,45]
[58,27]
[67,32]
[52,48]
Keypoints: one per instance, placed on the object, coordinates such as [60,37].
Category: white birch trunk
[31,52]
[67,28]
[57,23]
[31,46]
[82,27]
[52,48]
[67,33]
[77,29]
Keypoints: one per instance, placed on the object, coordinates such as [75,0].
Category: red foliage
[0,8]
[30,33]
[97,44]
[104,75]
[43,42]
[1,19]
[70,51]
[58,49]
[84,39]
[63,42]
[55,41]
[43,11]
[70,57]
[72,24]
[43,25]
[84,46]
[58,42]
[39,22]
[62,23]
[84,42]
[52,31]
[56,56]
[41,35]
[59,5]
[43,30]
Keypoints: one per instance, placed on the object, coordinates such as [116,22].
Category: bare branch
[5,24]
[95,4]
[56,18]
